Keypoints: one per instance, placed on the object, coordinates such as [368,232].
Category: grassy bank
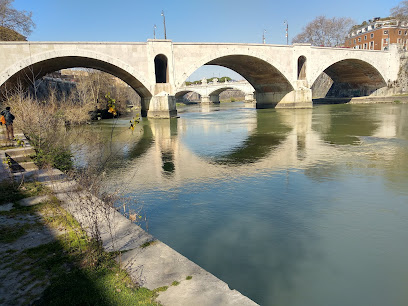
[71,269]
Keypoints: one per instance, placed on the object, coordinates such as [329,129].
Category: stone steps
[21,151]
[18,158]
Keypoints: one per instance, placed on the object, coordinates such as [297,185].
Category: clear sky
[240,21]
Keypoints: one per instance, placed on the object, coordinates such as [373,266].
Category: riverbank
[363,100]
[47,257]
[169,277]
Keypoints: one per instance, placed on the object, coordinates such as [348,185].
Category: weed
[7,147]
[175,283]
[148,243]
[56,157]
[189,277]
[12,192]
[161,289]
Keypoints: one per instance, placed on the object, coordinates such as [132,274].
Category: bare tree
[92,87]
[11,18]
[322,31]
[400,11]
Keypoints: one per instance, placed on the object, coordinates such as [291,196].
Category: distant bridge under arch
[210,92]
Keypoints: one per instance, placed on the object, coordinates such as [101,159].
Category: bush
[57,157]
[45,125]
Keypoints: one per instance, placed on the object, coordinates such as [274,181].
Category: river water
[289,207]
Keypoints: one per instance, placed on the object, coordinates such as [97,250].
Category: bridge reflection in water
[248,141]
[258,141]
[274,201]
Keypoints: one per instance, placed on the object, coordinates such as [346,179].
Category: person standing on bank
[9,117]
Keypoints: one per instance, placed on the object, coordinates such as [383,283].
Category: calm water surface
[289,207]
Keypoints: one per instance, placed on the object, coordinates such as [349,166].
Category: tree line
[221,80]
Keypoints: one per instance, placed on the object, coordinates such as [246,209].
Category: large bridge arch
[349,77]
[40,64]
[263,75]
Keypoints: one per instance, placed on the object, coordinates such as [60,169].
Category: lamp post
[287,31]
[263,36]
[154,32]
[164,23]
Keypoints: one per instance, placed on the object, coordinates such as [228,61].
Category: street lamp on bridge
[164,23]
[287,31]
[263,36]
[154,32]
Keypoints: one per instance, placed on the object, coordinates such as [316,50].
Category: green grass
[175,283]
[9,234]
[105,284]
[7,147]
[161,289]
[189,277]
[11,192]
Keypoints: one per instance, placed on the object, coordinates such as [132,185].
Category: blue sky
[187,21]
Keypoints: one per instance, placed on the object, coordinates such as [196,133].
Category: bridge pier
[159,106]
[162,106]
[213,99]
[250,98]
[299,98]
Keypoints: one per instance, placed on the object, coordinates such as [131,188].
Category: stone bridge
[282,76]
[210,92]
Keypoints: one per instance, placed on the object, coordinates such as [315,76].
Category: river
[289,207]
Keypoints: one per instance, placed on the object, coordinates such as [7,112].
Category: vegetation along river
[289,207]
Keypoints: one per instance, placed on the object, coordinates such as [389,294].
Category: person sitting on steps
[9,117]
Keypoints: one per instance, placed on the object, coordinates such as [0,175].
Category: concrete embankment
[362,100]
[150,262]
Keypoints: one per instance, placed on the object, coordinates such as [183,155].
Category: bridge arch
[40,64]
[180,94]
[218,91]
[350,78]
[215,94]
[260,73]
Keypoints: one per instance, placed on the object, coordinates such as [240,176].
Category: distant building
[378,34]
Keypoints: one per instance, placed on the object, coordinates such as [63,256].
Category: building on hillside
[378,34]
[7,34]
